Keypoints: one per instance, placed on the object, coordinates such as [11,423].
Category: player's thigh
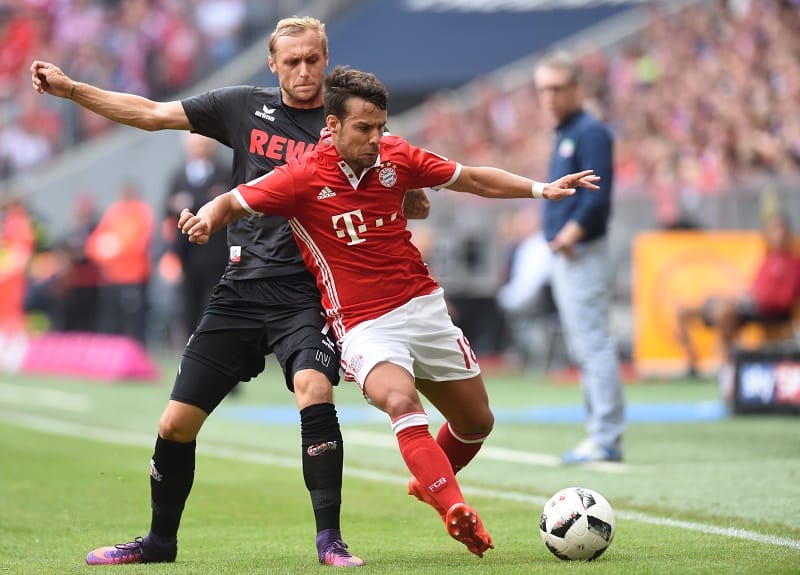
[463,402]
[308,355]
[438,347]
[377,357]
[390,388]
[200,383]
[224,350]
[231,336]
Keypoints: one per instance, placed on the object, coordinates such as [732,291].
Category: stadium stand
[680,82]
[155,48]
[704,131]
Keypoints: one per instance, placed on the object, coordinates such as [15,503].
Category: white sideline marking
[136,439]
[11,393]
[386,440]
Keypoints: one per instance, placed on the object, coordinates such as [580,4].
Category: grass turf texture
[74,476]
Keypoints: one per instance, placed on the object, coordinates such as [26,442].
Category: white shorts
[418,336]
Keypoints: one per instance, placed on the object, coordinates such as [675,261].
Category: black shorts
[246,320]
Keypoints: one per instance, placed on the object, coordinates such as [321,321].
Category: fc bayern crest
[356,363]
[387,176]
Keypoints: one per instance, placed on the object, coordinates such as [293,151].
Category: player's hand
[195,227]
[48,78]
[566,185]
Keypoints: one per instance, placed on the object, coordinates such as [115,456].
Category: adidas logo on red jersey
[326,193]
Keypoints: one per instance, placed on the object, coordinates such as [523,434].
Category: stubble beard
[294,98]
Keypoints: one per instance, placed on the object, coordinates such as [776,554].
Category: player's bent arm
[213,216]
[128,109]
[496,183]
[416,205]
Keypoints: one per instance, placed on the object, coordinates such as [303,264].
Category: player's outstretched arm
[416,205]
[496,183]
[212,217]
[128,109]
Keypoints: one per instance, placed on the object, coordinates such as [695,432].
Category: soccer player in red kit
[343,202]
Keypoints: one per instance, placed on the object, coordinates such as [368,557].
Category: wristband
[537,190]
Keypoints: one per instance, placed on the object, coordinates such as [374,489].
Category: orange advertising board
[676,268]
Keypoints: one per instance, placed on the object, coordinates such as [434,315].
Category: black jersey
[263,133]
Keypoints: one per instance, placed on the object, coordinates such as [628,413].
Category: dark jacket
[582,142]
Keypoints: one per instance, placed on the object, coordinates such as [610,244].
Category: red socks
[460,449]
[426,460]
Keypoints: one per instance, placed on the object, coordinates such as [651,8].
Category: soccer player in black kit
[266,302]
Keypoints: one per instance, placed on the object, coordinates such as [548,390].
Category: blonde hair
[296,26]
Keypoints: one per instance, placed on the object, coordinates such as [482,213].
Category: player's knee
[485,422]
[169,430]
[312,387]
[479,423]
[174,427]
[398,404]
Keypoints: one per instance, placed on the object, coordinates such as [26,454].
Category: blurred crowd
[700,100]
[99,276]
[154,48]
[93,279]
[123,269]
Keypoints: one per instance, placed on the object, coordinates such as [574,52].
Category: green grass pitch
[696,495]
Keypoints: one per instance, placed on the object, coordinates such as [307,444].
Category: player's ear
[272,67]
[332,122]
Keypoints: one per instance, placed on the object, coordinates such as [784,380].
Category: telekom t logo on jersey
[351,224]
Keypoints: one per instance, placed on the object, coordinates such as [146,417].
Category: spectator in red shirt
[120,247]
[770,299]
[17,244]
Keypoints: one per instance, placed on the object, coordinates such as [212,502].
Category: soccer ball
[577,524]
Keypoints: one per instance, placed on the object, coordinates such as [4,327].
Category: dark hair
[343,83]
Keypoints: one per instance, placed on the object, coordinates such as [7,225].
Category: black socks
[323,458]
[172,473]
[171,477]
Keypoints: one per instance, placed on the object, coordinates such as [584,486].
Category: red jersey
[120,244]
[351,230]
[777,283]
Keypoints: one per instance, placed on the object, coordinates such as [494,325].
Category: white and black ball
[577,524]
